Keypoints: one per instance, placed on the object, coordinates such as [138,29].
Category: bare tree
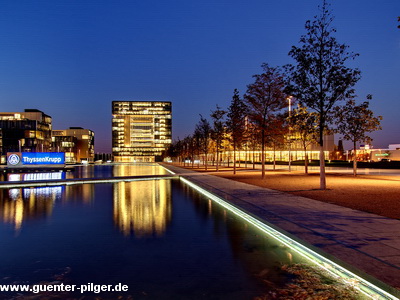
[197,144]
[191,146]
[264,98]
[304,126]
[236,124]
[203,128]
[320,78]
[276,132]
[253,140]
[354,121]
[186,149]
[218,130]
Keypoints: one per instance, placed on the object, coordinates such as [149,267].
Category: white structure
[391,153]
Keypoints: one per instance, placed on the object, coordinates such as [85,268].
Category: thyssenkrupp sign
[32,159]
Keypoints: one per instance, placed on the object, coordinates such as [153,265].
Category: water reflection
[138,170]
[28,203]
[20,204]
[142,208]
[35,176]
[116,170]
[204,252]
[80,193]
[258,254]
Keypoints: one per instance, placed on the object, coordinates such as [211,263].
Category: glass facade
[76,142]
[28,131]
[141,130]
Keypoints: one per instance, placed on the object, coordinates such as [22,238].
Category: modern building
[76,142]
[368,153]
[292,151]
[28,131]
[141,130]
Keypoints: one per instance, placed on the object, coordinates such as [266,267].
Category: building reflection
[84,193]
[35,176]
[142,208]
[17,205]
[138,169]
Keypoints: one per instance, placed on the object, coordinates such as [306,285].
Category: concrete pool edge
[48,183]
[383,275]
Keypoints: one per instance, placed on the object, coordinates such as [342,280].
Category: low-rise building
[392,153]
[76,142]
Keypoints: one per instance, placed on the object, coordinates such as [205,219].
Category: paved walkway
[368,242]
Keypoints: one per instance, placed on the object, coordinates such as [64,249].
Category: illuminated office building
[76,142]
[28,131]
[141,130]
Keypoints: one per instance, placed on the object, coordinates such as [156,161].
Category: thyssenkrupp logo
[14,159]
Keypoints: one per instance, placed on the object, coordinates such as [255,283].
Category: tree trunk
[274,157]
[246,153]
[262,157]
[322,176]
[289,157]
[217,160]
[234,158]
[254,158]
[305,161]
[355,160]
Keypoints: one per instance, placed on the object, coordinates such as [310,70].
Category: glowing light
[14,177]
[143,208]
[367,288]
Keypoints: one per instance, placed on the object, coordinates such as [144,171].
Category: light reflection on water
[160,237]
[116,170]
[19,204]
[138,169]
[142,208]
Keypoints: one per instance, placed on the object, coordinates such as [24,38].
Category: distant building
[392,153]
[28,131]
[76,142]
[141,130]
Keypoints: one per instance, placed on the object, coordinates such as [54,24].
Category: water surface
[159,237]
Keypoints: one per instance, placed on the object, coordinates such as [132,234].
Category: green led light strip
[367,288]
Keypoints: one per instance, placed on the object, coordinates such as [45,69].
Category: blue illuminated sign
[18,159]
[43,158]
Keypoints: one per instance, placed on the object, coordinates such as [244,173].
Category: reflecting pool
[160,238]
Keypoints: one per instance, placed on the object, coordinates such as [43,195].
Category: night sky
[71,59]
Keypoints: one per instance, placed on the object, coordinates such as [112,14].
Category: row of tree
[319,83]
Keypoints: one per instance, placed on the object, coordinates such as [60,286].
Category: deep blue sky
[70,59]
